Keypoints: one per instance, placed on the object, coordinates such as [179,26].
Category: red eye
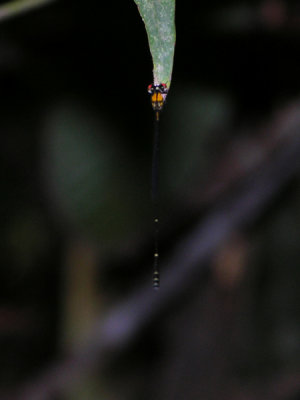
[163,88]
[150,89]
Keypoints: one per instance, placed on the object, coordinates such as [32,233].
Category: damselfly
[158,95]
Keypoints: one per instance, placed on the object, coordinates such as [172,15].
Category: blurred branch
[247,153]
[14,8]
[184,267]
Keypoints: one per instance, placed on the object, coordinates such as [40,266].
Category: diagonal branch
[16,7]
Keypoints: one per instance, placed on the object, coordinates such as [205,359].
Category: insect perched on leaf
[158,95]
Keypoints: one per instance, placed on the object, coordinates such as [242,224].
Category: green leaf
[159,19]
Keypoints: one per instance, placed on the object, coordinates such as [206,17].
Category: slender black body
[155,199]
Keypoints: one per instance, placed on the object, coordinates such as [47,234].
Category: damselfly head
[158,95]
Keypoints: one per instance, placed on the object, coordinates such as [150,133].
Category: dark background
[76,225]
